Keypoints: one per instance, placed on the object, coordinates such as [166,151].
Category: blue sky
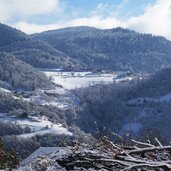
[145,16]
[134,7]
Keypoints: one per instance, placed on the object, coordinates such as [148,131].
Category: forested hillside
[18,52]
[9,35]
[138,106]
[115,49]
[16,74]
[36,53]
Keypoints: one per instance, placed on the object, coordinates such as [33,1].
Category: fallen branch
[150,149]
[143,144]
[159,166]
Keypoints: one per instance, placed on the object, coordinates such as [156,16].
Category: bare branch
[143,144]
[159,143]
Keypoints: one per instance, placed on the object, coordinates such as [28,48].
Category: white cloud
[97,21]
[155,20]
[10,9]
[35,28]
[94,21]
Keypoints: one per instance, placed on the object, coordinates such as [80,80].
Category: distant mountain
[115,49]
[16,74]
[36,53]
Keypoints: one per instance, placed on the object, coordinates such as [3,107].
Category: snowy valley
[84,98]
[61,96]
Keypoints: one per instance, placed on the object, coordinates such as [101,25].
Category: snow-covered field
[38,125]
[72,80]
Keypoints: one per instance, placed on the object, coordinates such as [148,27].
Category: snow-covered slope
[143,100]
[37,125]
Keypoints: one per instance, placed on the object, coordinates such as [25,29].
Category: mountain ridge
[113,49]
[13,40]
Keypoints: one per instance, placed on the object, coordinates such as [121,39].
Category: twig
[143,144]
[159,143]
